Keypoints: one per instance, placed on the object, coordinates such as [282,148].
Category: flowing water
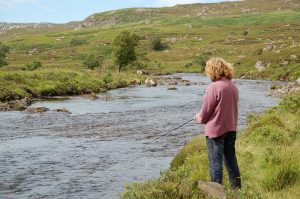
[96,150]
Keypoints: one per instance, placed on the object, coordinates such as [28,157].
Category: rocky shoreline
[288,89]
[25,103]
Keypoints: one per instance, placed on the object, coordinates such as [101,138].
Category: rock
[260,66]
[15,105]
[293,57]
[142,72]
[4,107]
[172,89]
[298,81]
[19,105]
[212,189]
[37,110]
[269,47]
[284,62]
[150,82]
[136,82]
[63,110]
[92,96]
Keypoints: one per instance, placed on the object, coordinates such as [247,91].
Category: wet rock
[260,66]
[37,110]
[150,82]
[136,82]
[4,107]
[63,110]
[172,89]
[142,72]
[19,105]
[92,96]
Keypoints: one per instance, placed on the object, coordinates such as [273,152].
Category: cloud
[36,3]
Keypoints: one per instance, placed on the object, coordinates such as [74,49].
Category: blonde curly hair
[216,68]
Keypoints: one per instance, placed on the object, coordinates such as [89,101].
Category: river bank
[86,153]
[267,151]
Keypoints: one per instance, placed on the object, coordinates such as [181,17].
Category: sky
[62,11]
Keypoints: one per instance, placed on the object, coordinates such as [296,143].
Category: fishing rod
[168,133]
[155,140]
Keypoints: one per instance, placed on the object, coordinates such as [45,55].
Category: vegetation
[237,31]
[3,51]
[267,154]
[156,43]
[92,61]
[125,49]
[34,65]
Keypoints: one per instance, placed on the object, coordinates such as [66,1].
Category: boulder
[150,82]
[212,189]
[63,110]
[19,105]
[269,47]
[172,89]
[136,82]
[37,110]
[260,66]
[142,72]
[298,81]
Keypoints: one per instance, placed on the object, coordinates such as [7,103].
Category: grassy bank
[243,33]
[268,155]
[59,82]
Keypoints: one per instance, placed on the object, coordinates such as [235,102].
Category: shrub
[188,65]
[156,43]
[201,61]
[258,51]
[92,61]
[77,42]
[34,65]
[107,79]
[3,51]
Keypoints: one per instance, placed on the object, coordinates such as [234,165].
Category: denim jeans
[223,146]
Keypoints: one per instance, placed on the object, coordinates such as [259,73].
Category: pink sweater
[219,110]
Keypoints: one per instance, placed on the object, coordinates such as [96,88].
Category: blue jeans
[223,146]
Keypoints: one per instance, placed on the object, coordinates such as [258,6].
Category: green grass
[187,34]
[56,82]
[268,157]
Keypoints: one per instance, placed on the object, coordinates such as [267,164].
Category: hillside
[248,33]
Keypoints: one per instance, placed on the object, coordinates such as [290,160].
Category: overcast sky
[61,11]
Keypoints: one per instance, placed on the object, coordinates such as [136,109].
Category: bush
[3,51]
[258,51]
[34,65]
[92,61]
[156,43]
[201,61]
[77,42]
[188,65]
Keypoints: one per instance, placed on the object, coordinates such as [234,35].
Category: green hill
[246,33]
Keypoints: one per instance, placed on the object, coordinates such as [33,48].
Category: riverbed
[96,150]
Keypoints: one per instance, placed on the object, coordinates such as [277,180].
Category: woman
[219,113]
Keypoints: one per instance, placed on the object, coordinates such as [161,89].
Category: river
[96,150]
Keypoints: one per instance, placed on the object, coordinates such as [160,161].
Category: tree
[3,51]
[125,48]
[92,61]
